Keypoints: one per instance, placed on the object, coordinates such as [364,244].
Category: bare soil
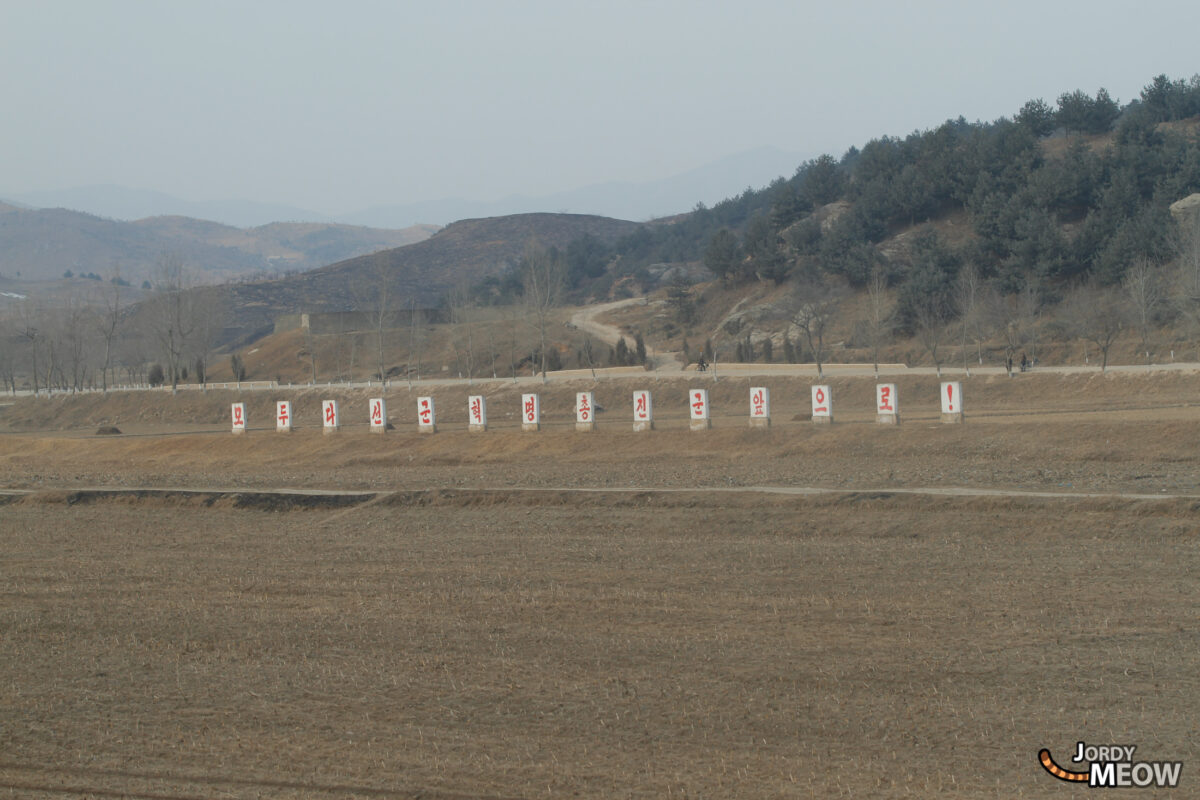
[477,624]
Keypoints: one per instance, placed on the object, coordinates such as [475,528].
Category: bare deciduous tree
[1095,313]
[931,318]
[133,352]
[108,322]
[8,355]
[416,340]
[513,345]
[373,299]
[1144,291]
[209,314]
[589,354]
[1017,317]
[816,305]
[463,319]
[543,276]
[966,303]
[310,347]
[880,313]
[53,340]
[74,323]
[345,348]
[31,329]
[171,315]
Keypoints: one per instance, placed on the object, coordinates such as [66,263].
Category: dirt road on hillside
[585,319]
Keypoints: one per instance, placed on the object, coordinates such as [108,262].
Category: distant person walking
[1010,365]
[701,364]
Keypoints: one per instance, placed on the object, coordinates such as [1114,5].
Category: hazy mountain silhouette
[709,184]
[43,244]
[123,203]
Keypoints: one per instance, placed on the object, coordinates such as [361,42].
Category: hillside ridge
[462,253]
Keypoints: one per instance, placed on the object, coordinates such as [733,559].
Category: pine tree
[789,350]
[621,355]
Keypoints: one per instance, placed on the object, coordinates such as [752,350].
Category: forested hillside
[1050,232]
[1055,193]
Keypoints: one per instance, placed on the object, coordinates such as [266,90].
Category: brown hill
[469,250]
[43,244]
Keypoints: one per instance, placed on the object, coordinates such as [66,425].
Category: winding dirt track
[587,320]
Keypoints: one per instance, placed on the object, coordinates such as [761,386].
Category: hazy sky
[340,106]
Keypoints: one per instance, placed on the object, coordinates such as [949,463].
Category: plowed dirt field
[852,610]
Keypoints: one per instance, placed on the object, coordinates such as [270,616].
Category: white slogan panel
[378,412]
[822,402]
[426,417]
[283,416]
[329,416]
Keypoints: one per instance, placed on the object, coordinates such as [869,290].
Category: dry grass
[1125,432]
[1028,395]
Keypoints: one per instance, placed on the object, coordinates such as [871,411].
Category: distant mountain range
[709,184]
[44,244]
[122,203]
